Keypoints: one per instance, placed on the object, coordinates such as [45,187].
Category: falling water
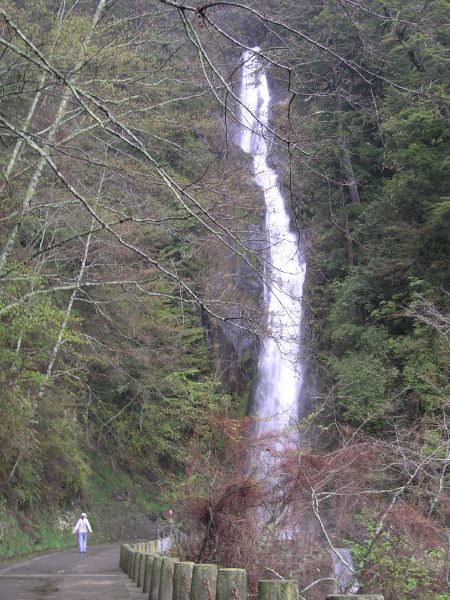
[280,372]
[280,376]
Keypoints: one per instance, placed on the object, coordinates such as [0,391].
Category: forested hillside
[114,189]
[131,268]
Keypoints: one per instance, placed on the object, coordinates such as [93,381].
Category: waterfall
[280,372]
[280,369]
[342,574]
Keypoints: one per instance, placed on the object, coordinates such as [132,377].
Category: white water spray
[280,376]
[280,371]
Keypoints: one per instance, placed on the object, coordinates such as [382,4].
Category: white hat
[83,514]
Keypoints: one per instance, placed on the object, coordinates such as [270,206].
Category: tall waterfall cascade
[280,373]
[278,395]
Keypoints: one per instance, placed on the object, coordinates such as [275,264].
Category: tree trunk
[63,326]
[347,167]
[348,237]
[11,238]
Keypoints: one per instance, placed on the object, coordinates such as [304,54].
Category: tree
[126,213]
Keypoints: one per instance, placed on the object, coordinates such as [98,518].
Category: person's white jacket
[82,526]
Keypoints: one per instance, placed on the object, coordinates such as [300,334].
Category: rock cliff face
[237,353]
[237,350]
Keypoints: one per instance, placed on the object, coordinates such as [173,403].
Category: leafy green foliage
[122,368]
[397,569]
[370,258]
[362,385]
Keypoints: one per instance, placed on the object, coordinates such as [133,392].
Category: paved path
[69,575]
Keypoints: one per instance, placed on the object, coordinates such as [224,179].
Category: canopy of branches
[132,253]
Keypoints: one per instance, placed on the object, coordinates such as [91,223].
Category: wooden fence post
[204,582]
[121,556]
[156,578]
[148,573]
[232,584]
[136,565]
[132,562]
[182,580]
[124,556]
[355,597]
[167,577]
[128,559]
[277,589]
[141,571]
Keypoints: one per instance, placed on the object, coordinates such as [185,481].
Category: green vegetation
[130,244]
[406,573]
[119,505]
[105,252]
[374,192]
[379,261]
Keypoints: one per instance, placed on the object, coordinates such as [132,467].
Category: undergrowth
[119,506]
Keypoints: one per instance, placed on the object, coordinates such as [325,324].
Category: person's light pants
[82,541]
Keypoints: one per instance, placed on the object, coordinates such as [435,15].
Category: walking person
[81,528]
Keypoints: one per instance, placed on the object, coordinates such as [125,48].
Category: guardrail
[167,578]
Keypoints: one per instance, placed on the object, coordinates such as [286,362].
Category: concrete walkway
[69,575]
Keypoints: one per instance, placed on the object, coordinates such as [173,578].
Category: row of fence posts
[167,578]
